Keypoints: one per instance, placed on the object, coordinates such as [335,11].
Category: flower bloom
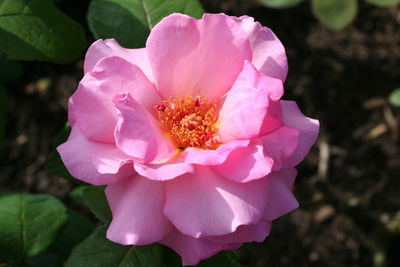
[189,134]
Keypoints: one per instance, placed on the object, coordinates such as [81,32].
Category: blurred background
[344,68]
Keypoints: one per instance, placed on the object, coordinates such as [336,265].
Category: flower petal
[245,233]
[92,102]
[212,157]
[164,171]
[197,57]
[246,164]
[273,119]
[280,199]
[280,145]
[136,204]
[269,55]
[308,129]
[110,47]
[137,132]
[246,105]
[95,163]
[205,204]
[192,250]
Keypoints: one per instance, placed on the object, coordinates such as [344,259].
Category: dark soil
[348,187]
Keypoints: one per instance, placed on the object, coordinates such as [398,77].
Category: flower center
[189,121]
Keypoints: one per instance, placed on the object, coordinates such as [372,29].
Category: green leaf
[96,200]
[335,14]
[280,3]
[38,30]
[132,20]
[224,258]
[394,97]
[97,251]
[2,115]
[77,194]
[28,224]
[384,3]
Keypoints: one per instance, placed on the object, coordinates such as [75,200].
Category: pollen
[189,121]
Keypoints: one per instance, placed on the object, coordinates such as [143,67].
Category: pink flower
[189,134]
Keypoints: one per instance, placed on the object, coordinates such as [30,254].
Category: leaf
[132,20]
[2,115]
[384,3]
[38,30]
[97,251]
[394,97]
[280,3]
[55,165]
[28,224]
[224,258]
[96,200]
[335,14]
[77,194]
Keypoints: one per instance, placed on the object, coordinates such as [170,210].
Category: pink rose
[189,134]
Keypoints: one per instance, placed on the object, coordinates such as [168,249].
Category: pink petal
[109,47]
[245,233]
[212,157]
[197,57]
[246,105]
[164,171]
[280,199]
[246,164]
[307,127]
[204,204]
[136,204]
[269,55]
[92,162]
[137,132]
[92,102]
[192,250]
[280,145]
[273,119]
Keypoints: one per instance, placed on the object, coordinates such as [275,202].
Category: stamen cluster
[189,121]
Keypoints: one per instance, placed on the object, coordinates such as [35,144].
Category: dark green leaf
[28,224]
[96,201]
[224,258]
[384,3]
[280,3]
[394,98]
[37,30]
[10,70]
[131,21]
[335,14]
[97,251]
[77,194]
[2,115]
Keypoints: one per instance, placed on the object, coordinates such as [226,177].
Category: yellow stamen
[189,121]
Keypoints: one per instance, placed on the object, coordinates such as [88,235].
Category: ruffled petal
[92,102]
[93,162]
[192,250]
[212,157]
[245,233]
[197,57]
[204,204]
[110,47]
[308,130]
[246,105]
[269,55]
[137,132]
[280,198]
[164,171]
[273,119]
[280,145]
[246,164]
[136,204]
